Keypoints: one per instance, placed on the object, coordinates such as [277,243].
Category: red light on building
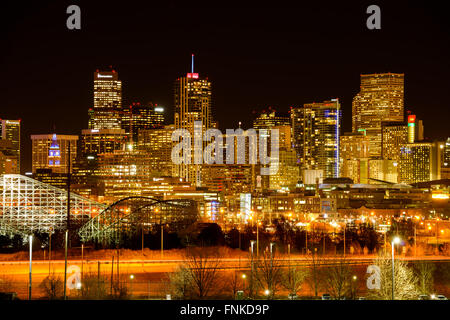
[192,75]
[411,119]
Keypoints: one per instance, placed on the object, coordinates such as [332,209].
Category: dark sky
[254,56]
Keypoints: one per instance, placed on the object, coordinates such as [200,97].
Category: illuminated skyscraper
[380,99]
[269,119]
[192,103]
[354,154]
[51,151]
[107,101]
[140,117]
[9,163]
[394,134]
[157,143]
[420,161]
[96,141]
[10,130]
[316,131]
[446,160]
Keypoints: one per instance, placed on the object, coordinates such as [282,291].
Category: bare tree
[314,280]
[293,278]
[336,278]
[6,284]
[203,264]
[180,283]
[94,286]
[405,287]
[53,287]
[268,272]
[233,283]
[424,272]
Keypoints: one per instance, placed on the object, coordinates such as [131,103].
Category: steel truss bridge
[28,206]
[136,214]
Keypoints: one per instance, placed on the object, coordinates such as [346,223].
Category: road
[148,275]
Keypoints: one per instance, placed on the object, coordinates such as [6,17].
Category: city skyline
[255,61]
[213,152]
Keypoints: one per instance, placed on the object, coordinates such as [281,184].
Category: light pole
[396,240]
[30,242]
[50,250]
[243,281]
[131,284]
[65,265]
[271,264]
[251,275]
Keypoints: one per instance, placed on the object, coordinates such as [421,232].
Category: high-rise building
[10,130]
[394,134]
[269,119]
[157,143]
[446,160]
[316,131]
[420,162]
[192,103]
[51,151]
[96,141]
[354,154]
[381,98]
[107,101]
[415,129]
[141,117]
[9,162]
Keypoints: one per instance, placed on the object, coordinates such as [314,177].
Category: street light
[131,283]
[396,240]
[30,242]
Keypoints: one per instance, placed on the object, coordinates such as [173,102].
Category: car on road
[362,298]
[424,297]
[326,296]
[441,297]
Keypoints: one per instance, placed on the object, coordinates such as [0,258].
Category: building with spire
[192,103]
[51,151]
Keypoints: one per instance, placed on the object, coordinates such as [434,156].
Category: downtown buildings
[9,146]
[127,151]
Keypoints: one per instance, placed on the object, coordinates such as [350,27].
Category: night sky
[255,57]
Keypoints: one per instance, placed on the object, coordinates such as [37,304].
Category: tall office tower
[415,129]
[10,130]
[394,134]
[354,154]
[269,119]
[380,99]
[51,151]
[446,160]
[107,101]
[124,173]
[192,103]
[420,161]
[157,143]
[140,117]
[9,162]
[96,141]
[316,131]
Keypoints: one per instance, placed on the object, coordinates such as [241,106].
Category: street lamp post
[251,275]
[396,240]
[30,242]
[65,265]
